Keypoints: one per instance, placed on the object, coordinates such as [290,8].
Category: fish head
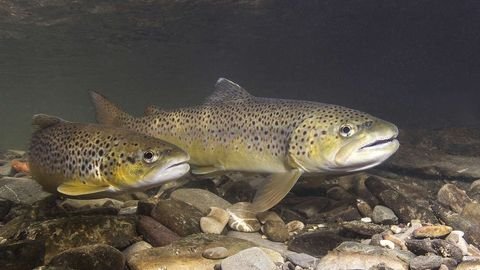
[149,163]
[339,139]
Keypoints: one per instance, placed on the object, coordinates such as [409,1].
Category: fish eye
[149,156]
[346,130]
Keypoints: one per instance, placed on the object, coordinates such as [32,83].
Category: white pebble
[387,243]
[396,229]
[366,220]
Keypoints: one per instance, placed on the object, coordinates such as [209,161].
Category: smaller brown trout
[78,159]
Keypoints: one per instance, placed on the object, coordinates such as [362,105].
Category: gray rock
[453,197]
[474,191]
[92,257]
[22,255]
[364,208]
[436,246]
[384,215]
[337,260]
[155,233]
[338,214]
[313,206]
[303,260]
[354,247]
[471,212]
[404,208]
[200,199]
[215,253]
[471,227]
[252,258]
[136,247]
[239,191]
[5,168]
[180,217]
[65,233]
[425,262]
[275,230]
[21,190]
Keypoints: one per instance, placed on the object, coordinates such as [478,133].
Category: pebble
[92,257]
[155,233]
[387,243]
[433,231]
[384,215]
[453,197]
[396,229]
[366,220]
[215,253]
[252,259]
[199,198]
[425,262]
[295,226]
[241,219]
[435,246]
[131,210]
[136,247]
[362,228]
[456,238]
[178,216]
[404,208]
[275,230]
[215,221]
[364,208]
[303,260]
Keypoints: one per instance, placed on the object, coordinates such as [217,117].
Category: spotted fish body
[235,131]
[78,159]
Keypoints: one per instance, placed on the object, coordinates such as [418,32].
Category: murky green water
[415,64]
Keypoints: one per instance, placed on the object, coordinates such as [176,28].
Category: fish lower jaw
[161,176]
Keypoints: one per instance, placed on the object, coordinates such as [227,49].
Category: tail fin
[108,113]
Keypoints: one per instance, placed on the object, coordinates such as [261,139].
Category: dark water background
[415,63]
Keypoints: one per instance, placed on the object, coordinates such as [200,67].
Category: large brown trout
[235,131]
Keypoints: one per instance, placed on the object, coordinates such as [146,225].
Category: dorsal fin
[226,90]
[45,120]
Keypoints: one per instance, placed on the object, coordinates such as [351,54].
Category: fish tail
[107,113]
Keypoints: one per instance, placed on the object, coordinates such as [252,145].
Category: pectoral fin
[77,188]
[204,170]
[274,189]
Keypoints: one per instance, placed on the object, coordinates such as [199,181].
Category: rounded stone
[275,231]
[93,257]
[242,219]
[200,199]
[215,253]
[137,247]
[384,215]
[295,226]
[433,231]
[252,259]
[425,262]
[178,216]
[215,222]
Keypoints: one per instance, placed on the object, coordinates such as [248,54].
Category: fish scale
[235,131]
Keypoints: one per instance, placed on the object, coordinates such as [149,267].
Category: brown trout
[78,159]
[236,131]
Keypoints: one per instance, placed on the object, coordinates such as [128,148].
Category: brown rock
[453,197]
[433,231]
[364,228]
[93,257]
[155,233]
[178,216]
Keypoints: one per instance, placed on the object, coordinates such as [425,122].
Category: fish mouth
[380,143]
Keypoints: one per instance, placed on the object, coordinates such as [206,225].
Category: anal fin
[77,188]
[274,189]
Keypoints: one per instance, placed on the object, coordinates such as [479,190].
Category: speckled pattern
[234,124]
[93,154]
